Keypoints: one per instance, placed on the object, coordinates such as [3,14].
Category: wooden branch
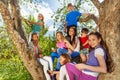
[93,17]
[5,2]
[96,3]
[15,12]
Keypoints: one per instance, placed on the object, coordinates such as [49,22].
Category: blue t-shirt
[37,28]
[72,17]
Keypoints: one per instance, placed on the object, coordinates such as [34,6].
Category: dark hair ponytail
[109,61]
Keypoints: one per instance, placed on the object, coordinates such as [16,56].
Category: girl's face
[40,17]
[71,32]
[58,36]
[94,41]
[62,60]
[35,37]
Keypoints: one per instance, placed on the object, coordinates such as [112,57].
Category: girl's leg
[47,58]
[75,74]
[75,57]
[58,65]
[45,67]
[54,55]
[83,57]
[62,51]
[75,54]
[72,71]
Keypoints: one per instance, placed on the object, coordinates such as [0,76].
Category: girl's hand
[50,72]
[40,55]
[80,66]
[70,51]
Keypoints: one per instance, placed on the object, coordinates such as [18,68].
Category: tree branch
[93,17]
[15,12]
[5,2]
[96,3]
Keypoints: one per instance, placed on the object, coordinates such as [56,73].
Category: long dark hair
[109,61]
[72,41]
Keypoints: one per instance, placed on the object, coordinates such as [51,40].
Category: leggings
[75,74]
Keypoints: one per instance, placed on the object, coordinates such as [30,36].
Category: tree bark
[15,13]
[109,20]
[34,68]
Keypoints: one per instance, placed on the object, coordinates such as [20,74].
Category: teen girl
[96,62]
[62,74]
[44,60]
[37,26]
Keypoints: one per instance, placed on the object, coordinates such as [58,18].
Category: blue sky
[53,4]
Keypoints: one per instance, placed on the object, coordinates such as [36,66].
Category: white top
[63,73]
[98,51]
[78,44]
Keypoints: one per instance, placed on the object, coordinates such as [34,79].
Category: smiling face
[94,41]
[59,36]
[71,32]
[35,37]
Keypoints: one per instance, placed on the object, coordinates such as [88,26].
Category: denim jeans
[57,55]
[54,55]
[74,54]
[62,51]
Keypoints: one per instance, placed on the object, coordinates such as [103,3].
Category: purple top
[92,60]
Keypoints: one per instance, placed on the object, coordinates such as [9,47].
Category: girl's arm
[77,45]
[39,23]
[86,14]
[68,45]
[52,72]
[101,68]
[74,45]
[55,72]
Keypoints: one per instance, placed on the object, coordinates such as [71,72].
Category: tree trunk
[109,20]
[34,68]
